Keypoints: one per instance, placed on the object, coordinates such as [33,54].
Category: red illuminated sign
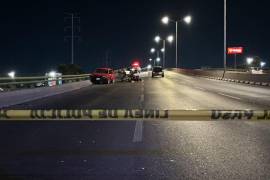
[235,50]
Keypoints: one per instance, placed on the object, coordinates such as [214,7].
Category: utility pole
[225,37]
[73,19]
[164,52]
[176,44]
[108,62]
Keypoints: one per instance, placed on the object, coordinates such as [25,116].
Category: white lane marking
[142,89]
[138,132]
[200,88]
[142,94]
[142,98]
[226,95]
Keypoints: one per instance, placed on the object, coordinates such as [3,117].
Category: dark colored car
[157,71]
[103,76]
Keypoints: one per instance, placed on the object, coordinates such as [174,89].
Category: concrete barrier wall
[21,96]
[198,72]
[249,77]
[229,75]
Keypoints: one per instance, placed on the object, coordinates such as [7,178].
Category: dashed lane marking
[138,132]
[142,98]
[202,89]
[226,95]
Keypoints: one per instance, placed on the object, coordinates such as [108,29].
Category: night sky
[32,32]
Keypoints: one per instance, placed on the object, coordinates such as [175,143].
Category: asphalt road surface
[142,150]
[175,91]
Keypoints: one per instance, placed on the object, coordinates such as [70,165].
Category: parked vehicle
[103,76]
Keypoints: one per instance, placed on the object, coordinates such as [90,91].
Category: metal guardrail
[38,81]
[40,77]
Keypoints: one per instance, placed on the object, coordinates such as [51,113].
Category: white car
[253,71]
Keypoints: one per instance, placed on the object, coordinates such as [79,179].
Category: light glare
[153,50]
[170,39]
[250,60]
[157,39]
[188,19]
[165,20]
[263,64]
[52,74]
[12,74]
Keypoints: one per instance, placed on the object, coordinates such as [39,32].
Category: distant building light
[12,74]
[250,60]
[52,74]
[263,64]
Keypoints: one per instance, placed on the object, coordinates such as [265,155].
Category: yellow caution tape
[106,114]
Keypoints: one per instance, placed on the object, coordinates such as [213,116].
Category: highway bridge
[134,149]
[175,91]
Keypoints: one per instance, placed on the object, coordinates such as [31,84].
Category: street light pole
[166,20]
[225,37]
[163,50]
[72,38]
[235,63]
[164,53]
[176,44]
[158,56]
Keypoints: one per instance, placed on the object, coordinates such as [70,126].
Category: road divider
[128,114]
[229,76]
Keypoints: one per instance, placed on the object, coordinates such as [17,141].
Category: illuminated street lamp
[163,50]
[250,60]
[12,74]
[170,39]
[188,19]
[166,20]
[149,66]
[157,39]
[158,59]
[153,50]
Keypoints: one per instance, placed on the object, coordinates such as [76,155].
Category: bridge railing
[8,84]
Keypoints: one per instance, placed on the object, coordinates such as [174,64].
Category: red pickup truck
[103,76]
